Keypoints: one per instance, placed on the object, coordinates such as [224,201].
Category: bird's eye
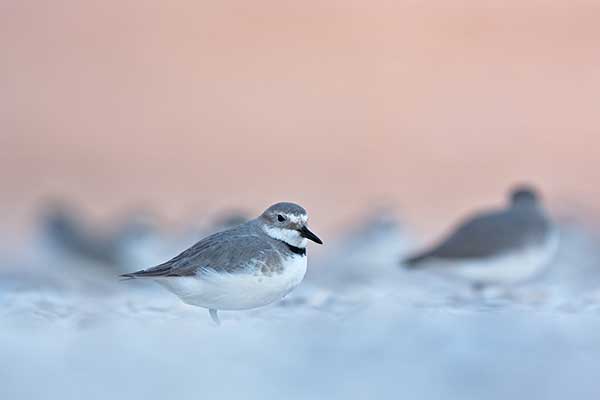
[280,218]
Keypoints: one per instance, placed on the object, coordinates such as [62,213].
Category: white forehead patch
[297,218]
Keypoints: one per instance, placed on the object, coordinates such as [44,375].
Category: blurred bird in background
[496,247]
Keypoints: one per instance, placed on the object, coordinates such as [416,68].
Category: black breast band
[296,250]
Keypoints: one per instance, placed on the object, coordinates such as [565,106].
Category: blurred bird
[64,229]
[248,266]
[505,246]
[135,236]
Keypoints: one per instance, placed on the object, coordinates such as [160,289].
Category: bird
[496,247]
[244,267]
[65,230]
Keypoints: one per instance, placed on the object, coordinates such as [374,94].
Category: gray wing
[227,251]
[490,234]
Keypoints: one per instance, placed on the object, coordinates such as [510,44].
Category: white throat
[289,236]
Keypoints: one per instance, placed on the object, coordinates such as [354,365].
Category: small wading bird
[499,247]
[248,266]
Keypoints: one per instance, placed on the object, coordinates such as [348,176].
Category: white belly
[237,291]
[507,269]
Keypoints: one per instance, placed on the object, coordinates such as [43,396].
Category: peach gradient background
[186,105]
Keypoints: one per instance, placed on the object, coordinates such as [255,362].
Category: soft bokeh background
[129,129]
[188,105]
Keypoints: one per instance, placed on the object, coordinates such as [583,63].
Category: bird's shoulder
[227,251]
[490,232]
[509,219]
[480,222]
[227,244]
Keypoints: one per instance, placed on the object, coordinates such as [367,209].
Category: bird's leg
[478,287]
[214,316]
[478,292]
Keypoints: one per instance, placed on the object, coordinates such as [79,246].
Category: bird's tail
[415,261]
[127,277]
[159,270]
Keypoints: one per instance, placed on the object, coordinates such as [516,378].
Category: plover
[248,266]
[133,236]
[65,230]
[502,247]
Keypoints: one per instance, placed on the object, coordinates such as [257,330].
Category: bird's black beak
[306,233]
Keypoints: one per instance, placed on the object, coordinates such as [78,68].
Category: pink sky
[188,105]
